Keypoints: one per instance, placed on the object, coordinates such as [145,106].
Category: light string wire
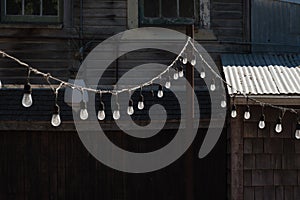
[189,41]
[245,95]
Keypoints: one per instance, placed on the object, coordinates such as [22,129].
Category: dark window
[167,11]
[31,11]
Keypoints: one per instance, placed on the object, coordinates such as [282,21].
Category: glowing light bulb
[0,84]
[55,120]
[176,75]
[160,92]
[202,74]
[262,123]
[223,104]
[181,73]
[116,115]
[101,112]
[278,127]
[168,84]
[233,112]
[27,98]
[141,103]
[185,60]
[193,61]
[247,114]
[297,133]
[84,115]
[213,86]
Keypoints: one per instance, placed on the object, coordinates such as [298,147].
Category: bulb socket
[160,87]
[27,88]
[130,103]
[83,105]
[233,107]
[262,118]
[56,109]
[141,99]
[101,108]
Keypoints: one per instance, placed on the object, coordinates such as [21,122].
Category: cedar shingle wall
[271,161]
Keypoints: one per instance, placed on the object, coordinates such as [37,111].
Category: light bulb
[213,85]
[176,75]
[278,127]
[0,84]
[101,112]
[223,104]
[247,114]
[141,103]
[130,109]
[193,61]
[101,115]
[180,73]
[55,120]
[160,92]
[297,133]
[116,115]
[168,84]
[233,112]
[202,74]
[27,98]
[262,123]
[84,115]
[185,60]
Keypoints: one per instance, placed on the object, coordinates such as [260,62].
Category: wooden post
[189,164]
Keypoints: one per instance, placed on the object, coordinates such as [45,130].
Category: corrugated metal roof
[262,73]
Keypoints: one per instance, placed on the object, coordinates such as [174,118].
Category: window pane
[14,7]
[169,8]
[50,7]
[186,8]
[151,8]
[32,7]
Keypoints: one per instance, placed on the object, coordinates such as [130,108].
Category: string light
[233,111]
[297,132]
[247,114]
[101,112]
[27,97]
[182,57]
[262,123]
[141,104]
[213,85]
[130,109]
[84,115]
[116,112]
[193,61]
[160,92]
[55,120]
[223,102]
[168,83]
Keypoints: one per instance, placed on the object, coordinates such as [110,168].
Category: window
[31,11]
[167,12]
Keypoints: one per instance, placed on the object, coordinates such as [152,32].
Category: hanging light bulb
[223,104]
[181,73]
[160,92]
[262,123]
[278,127]
[297,133]
[176,75]
[194,61]
[84,115]
[141,103]
[55,120]
[101,112]
[184,60]
[116,113]
[27,98]
[213,85]
[202,73]
[233,112]
[168,83]
[130,109]
[247,114]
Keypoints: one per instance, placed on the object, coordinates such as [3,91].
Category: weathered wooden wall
[264,164]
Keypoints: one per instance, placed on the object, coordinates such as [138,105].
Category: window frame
[166,20]
[48,19]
